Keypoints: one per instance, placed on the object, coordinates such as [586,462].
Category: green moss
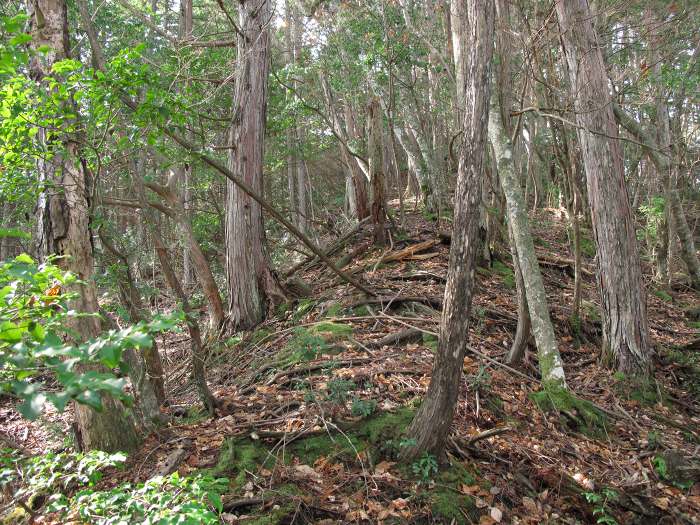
[304,306]
[282,308]
[663,295]
[430,341]
[378,434]
[447,502]
[693,324]
[639,389]
[239,455]
[361,311]
[587,247]
[449,506]
[309,343]
[330,331]
[334,310]
[583,414]
[506,273]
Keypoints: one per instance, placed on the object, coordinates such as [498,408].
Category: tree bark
[252,286]
[376,172]
[625,328]
[551,368]
[63,227]
[662,163]
[146,368]
[431,425]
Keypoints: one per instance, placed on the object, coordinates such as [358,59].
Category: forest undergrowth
[312,405]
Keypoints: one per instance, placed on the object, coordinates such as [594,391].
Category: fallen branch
[329,250]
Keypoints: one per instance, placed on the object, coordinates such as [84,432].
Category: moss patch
[506,274]
[642,390]
[310,343]
[330,331]
[582,414]
[304,306]
[430,341]
[448,504]
[239,455]
[663,295]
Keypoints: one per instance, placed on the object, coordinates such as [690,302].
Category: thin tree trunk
[148,368]
[431,425]
[63,220]
[551,368]
[662,162]
[524,326]
[625,328]
[376,172]
[196,347]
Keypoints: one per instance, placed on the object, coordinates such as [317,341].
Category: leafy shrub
[52,472]
[37,345]
[171,500]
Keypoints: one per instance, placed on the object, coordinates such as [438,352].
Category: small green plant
[662,470]
[363,407]
[653,440]
[425,467]
[480,381]
[338,391]
[50,472]
[171,500]
[600,501]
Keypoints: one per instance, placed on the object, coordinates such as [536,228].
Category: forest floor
[314,402]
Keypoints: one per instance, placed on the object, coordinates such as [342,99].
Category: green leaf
[32,405]
[90,398]
[10,332]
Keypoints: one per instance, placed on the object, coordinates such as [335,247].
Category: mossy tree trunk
[551,368]
[63,225]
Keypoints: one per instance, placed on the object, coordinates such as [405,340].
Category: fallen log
[409,251]
[434,301]
[406,335]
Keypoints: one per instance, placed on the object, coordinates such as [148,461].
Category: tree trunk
[376,172]
[253,288]
[662,163]
[625,328]
[431,425]
[524,326]
[551,368]
[146,368]
[63,220]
